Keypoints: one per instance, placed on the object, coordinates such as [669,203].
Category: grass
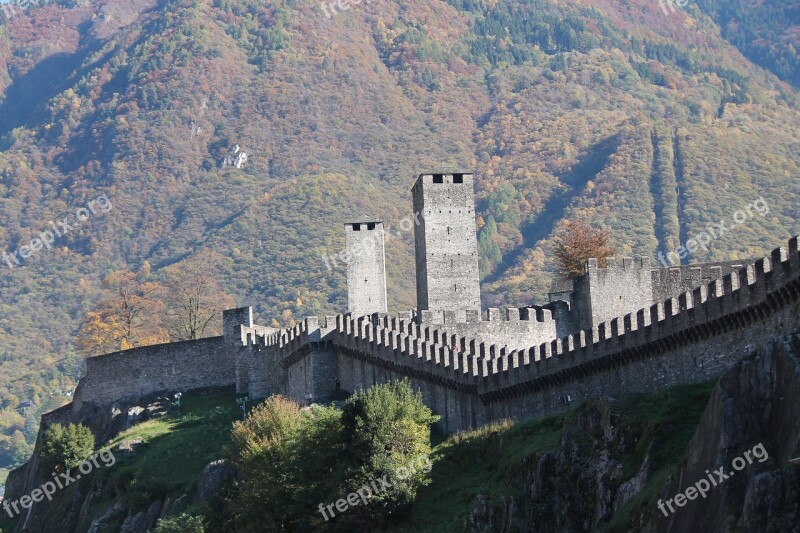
[493,460]
[168,461]
[483,461]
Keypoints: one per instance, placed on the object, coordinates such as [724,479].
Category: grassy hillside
[495,464]
[167,458]
[651,126]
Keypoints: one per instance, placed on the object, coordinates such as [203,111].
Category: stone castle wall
[688,338]
[604,293]
[673,281]
[694,337]
[513,328]
[177,366]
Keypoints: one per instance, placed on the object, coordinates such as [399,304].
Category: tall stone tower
[366,268]
[445,243]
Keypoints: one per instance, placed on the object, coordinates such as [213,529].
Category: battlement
[672,281]
[444,179]
[441,357]
[469,378]
[767,283]
[734,292]
[614,263]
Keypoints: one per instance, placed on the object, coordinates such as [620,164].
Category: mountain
[653,125]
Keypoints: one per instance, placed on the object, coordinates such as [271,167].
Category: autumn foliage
[576,243]
[139,309]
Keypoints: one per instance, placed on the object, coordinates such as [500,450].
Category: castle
[621,329]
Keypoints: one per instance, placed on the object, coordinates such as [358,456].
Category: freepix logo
[668,6]
[9,9]
[715,478]
[56,230]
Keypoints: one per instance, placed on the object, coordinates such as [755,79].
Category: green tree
[386,429]
[285,457]
[66,446]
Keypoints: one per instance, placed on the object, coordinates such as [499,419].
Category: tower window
[356,227]
[458,178]
[370,227]
[438,178]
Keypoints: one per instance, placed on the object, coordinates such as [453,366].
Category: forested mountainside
[651,124]
[766,32]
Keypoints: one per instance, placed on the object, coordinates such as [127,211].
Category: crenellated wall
[513,328]
[673,281]
[496,369]
[699,335]
[604,293]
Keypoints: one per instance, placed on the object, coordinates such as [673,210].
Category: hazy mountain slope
[767,32]
[653,126]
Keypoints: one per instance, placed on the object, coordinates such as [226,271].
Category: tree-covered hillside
[649,126]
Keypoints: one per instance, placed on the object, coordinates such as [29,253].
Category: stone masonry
[366,268]
[445,245]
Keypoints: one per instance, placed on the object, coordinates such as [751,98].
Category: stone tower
[366,268]
[445,244]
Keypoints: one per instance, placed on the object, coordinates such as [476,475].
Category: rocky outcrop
[582,484]
[213,477]
[576,487]
[752,421]
[235,157]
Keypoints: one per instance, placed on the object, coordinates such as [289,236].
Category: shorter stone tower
[446,245]
[366,268]
[603,294]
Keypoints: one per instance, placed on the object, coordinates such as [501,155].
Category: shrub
[66,447]
[291,460]
[183,523]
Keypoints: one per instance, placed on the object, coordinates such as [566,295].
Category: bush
[183,523]
[291,460]
[387,433]
[66,447]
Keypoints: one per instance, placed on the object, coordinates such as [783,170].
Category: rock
[757,403]
[235,158]
[157,409]
[128,446]
[99,524]
[214,475]
[142,521]
[135,414]
[179,502]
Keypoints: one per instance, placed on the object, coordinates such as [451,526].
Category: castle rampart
[176,366]
[624,328]
[673,281]
[694,337]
